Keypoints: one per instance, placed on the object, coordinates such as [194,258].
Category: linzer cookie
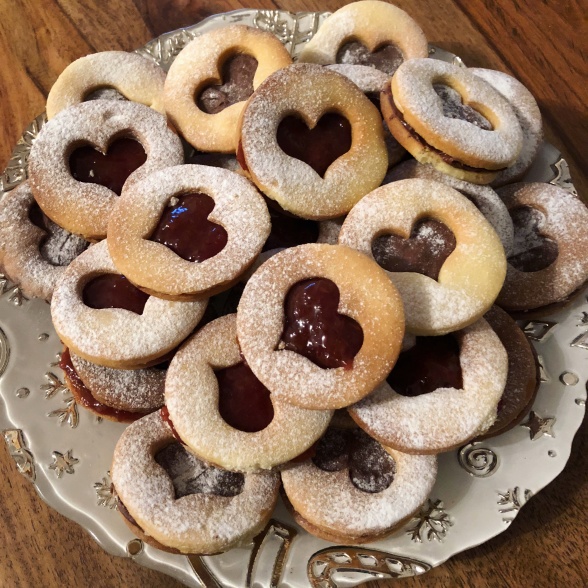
[178,503]
[34,251]
[448,117]
[355,490]
[375,34]
[224,414]
[103,318]
[320,325]
[212,77]
[187,231]
[549,262]
[312,141]
[83,157]
[437,248]
[135,77]
[441,393]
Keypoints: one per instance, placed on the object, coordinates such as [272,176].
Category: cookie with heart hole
[549,261]
[355,490]
[104,319]
[369,33]
[442,392]
[320,325]
[34,251]
[187,231]
[446,116]
[312,141]
[83,157]
[212,77]
[436,247]
[224,414]
[133,76]
[176,502]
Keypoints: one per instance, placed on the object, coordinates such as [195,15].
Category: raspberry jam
[314,328]
[123,157]
[114,291]
[184,228]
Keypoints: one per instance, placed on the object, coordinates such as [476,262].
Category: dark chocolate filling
[453,107]
[386,58]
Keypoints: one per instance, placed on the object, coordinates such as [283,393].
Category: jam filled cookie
[85,154]
[224,414]
[178,503]
[117,395]
[523,377]
[525,107]
[33,250]
[356,490]
[485,198]
[320,325]
[441,393]
[187,231]
[549,262]
[103,318]
[212,77]
[312,141]
[448,117]
[437,248]
[370,33]
[135,77]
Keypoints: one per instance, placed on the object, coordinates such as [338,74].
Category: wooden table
[542,44]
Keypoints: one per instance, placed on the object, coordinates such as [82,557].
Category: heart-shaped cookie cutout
[243,402]
[371,468]
[114,291]
[123,157]
[237,85]
[318,147]
[386,58]
[424,252]
[454,107]
[532,250]
[184,228]
[314,328]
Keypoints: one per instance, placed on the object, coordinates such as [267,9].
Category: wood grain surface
[541,43]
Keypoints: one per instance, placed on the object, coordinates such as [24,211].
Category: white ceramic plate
[66,452]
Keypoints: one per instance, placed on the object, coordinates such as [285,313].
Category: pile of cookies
[284,274]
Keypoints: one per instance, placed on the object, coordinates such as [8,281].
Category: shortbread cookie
[370,33]
[181,504]
[103,318]
[133,76]
[439,395]
[187,231]
[424,111]
[312,141]
[237,59]
[75,184]
[34,251]
[549,262]
[453,265]
[320,325]
[224,414]
[355,490]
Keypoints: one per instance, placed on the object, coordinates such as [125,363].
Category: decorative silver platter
[66,453]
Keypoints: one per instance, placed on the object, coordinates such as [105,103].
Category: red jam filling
[243,401]
[371,468]
[424,252]
[314,328]
[114,291]
[318,147]
[288,230]
[237,75]
[386,58]
[167,420]
[84,395]
[432,363]
[123,157]
[532,251]
[184,228]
